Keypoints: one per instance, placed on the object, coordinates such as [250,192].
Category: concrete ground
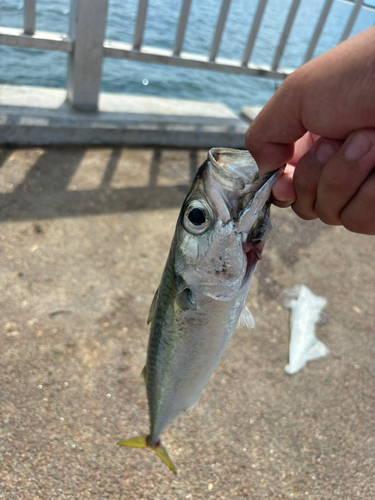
[83,240]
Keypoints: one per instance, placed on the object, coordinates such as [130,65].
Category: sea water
[48,69]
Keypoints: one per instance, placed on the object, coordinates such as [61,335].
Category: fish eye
[197,218]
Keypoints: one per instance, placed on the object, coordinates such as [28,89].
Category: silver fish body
[219,238]
[180,364]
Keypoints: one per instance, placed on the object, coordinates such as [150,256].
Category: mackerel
[219,238]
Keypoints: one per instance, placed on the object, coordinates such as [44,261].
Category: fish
[220,234]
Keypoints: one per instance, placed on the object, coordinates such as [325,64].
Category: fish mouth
[233,185]
[234,169]
[257,201]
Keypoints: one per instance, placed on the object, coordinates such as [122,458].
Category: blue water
[48,69]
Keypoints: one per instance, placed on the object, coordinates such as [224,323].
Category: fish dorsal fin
[246,318]
[152,307]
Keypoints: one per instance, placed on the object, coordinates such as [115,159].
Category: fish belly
[192,347]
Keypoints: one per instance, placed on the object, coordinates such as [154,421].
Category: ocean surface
[48,69]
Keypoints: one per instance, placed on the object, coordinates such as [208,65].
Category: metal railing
[86,44]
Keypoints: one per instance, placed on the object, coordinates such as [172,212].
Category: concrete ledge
[41,116]
[248,113]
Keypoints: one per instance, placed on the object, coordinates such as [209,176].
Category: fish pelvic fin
[246,319]
[158,448]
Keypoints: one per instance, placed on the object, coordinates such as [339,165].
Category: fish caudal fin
[158,448]
[163,454]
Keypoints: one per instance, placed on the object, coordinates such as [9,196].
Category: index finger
[270,138]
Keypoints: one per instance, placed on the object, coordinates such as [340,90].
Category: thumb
[270,138]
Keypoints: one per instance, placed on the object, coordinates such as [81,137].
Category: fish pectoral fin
[144,373]
[184,301]
[246,318]
[145,442]
[152,307]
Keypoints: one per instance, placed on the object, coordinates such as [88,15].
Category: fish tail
[158,448]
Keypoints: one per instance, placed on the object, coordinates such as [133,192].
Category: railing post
[29,17]
[87,29]
[351,20]
[318,29]
[219,29]
[140,24]
[253,32]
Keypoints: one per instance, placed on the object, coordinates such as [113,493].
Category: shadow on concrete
[4,155]
[44,192]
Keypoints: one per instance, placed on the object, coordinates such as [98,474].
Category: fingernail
[358,146]
[324,152]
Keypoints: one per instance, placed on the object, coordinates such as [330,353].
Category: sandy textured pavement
[84,234]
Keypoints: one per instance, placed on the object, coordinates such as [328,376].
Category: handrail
[43,40]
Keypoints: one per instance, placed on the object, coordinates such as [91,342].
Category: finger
[283,194]
[307,176]
[359,214]
[270,138]
[302,146]
[344,174]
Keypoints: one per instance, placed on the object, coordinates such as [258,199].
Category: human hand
[330,177]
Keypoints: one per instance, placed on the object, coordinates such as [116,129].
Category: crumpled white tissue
[306,311]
